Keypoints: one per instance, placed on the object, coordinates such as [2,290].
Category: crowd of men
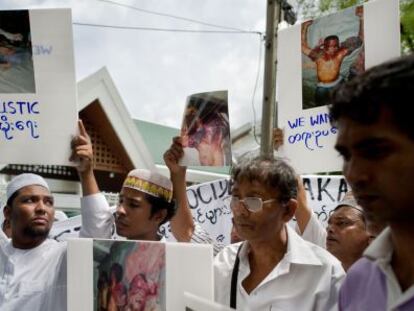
[274,266]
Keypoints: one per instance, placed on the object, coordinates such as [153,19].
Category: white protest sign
[38,112]
[304,81]
[211,210]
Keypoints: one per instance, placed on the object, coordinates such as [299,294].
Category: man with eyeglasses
[273,267]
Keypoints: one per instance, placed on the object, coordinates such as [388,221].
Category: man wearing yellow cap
[145,200]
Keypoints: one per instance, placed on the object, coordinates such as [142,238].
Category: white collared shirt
[33,279]
[380,251]
[307,278]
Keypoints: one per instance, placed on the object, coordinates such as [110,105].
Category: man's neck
[27,243]
[402,262]
[151,236]
[271,248]
[264,256]
[348,261]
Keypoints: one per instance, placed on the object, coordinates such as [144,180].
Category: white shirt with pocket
[307,278]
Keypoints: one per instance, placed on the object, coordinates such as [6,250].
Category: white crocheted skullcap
[149,182]
[23,180]
[349,200]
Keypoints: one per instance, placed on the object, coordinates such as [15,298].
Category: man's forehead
[34,190]
[130,193]
[346,211]
[352,134]
[255,185]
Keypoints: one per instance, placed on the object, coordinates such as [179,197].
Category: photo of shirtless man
[328,58]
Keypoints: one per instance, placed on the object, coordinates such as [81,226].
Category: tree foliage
[309,9]
[407,26]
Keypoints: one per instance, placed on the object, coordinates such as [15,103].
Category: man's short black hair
[275,173]
[332,37]
[385,87]
[158,204]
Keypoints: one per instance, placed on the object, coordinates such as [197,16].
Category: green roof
[158,139]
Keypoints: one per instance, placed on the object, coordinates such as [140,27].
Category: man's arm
[304,34]
[82,155]
[97,221]
[359,11]
[353,43]
[303,212]
[310,228]
[182,224]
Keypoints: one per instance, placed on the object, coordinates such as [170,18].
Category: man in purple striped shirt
[376,141]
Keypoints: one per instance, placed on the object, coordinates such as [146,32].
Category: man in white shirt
[348,232]
[5,231]
[273,267]
[32,267]
[145,200]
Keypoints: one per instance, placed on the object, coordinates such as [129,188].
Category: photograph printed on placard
[16,57]
[332,52]
[130,276]
[205,130]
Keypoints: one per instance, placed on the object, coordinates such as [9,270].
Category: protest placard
[38,112]
[136,275]
[316,56]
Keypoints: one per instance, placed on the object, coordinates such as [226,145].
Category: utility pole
[269,88]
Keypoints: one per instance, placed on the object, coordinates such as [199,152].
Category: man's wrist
[85,174]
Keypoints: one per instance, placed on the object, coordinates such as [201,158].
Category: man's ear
[290,209]
[7,212]
[160,216]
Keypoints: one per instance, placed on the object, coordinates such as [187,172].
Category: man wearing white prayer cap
[32,267]
[33,272]
[30,222]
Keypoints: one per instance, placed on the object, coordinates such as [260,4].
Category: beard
[36,232]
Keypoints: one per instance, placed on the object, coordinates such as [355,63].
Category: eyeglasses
[252,204]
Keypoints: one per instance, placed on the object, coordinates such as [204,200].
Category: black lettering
[308,187]
[343,188]
[322,188]
[192,198]
[201,198]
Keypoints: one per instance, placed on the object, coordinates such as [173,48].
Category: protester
[273,267]
[146,201]
[348,233]
[32,267]
[376,141]
[5,232]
